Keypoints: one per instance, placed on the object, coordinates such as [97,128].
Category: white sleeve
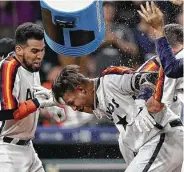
[168,90]
[121,83]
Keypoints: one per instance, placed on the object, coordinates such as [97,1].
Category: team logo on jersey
[29,94]
[111,106]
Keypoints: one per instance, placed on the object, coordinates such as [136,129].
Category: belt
[18,142]
[175,123]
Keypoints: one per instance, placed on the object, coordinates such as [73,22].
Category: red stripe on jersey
[150,67]
[9,68]
[159,86]
[117,70]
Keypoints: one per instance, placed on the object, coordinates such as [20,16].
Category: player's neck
[18,58]
[90,90]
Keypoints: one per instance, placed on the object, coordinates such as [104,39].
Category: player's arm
[21,111]
[25,108]
[144,84]
[10,108]
[154,104]
[173,67]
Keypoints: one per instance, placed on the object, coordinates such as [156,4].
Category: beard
[30,67]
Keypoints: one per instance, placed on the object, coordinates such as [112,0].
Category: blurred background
[82,142]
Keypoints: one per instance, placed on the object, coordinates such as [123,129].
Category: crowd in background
[129,41]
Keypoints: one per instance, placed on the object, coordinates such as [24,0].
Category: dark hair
[7,45]
[27,31]
[174,34]
[67,80]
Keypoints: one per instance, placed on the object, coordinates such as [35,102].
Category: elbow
[173,74]
[170,72]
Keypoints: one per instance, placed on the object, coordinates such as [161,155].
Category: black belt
[20,142]
[175,123]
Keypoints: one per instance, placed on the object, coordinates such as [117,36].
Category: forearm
[22,111]
[172,67]
[145,93]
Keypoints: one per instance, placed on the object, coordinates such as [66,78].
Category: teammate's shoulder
[118,70]
[10,63]
[180,54]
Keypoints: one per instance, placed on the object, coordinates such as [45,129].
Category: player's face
[33,53]
[78,100]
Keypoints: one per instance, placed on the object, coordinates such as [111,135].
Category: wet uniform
[155,150]
[16,149]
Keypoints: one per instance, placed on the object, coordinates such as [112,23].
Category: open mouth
[37,64]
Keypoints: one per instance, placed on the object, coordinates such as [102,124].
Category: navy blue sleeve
[145,93]
[173,67]
[6,114]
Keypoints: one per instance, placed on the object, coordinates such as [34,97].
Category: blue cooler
[73,28]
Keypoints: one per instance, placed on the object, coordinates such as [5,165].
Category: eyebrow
[37,49]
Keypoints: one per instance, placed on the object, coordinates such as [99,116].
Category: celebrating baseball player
[171,90]
[113,95]
[173,67]
[19,108]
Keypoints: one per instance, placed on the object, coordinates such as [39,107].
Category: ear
[19,50]
[81,89]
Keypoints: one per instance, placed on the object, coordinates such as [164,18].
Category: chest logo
[29,94]
[111,106]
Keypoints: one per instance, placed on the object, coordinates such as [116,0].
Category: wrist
[36,102]
[140,102]
[159,33]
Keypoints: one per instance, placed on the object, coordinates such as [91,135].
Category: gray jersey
[16,86]
[114,95]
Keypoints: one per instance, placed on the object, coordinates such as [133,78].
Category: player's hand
[57,113]
[44,96]
[42,91]
[143,120]
[152,15]
[153,105]
[45,102]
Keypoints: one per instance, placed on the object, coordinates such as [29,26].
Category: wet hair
[174,34]
[67,81]
[7,45]
[27,31]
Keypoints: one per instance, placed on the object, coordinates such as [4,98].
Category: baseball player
[113,95]
[165,93]
[19,108]
[172,67]
[171,89]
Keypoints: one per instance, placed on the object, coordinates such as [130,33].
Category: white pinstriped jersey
[16,86]
[115,99]
[173,91]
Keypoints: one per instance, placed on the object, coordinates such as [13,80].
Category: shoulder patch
[8,73]
[119,70]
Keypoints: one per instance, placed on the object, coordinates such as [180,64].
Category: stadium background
[82,142]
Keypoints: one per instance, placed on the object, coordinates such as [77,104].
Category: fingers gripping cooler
[73,28]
